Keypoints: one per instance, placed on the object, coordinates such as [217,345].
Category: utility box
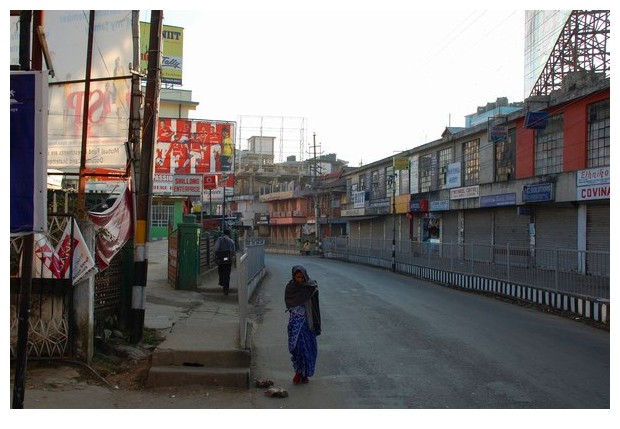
[188,260]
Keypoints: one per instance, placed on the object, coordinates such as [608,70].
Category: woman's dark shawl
[305,293]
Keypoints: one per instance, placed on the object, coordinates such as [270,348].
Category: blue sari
[301,342]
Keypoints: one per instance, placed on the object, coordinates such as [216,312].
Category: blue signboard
[418,205]
[498,200]
[538,192]
[536,120]
[28,154]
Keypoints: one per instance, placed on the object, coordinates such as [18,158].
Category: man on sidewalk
[224,257]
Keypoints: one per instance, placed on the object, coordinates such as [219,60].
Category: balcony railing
[289,213]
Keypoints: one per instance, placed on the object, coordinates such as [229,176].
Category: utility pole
[143,206]
[81,196]
[316,196]
[224,179]
[135,135]
[394,222]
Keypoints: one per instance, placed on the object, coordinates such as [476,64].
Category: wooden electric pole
[143,200]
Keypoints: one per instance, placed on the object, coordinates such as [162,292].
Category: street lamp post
[392,183]
[224,224]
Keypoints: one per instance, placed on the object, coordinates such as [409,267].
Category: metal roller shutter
[556,237]
[511,228]
[478,226]
[556,227]
[378,233]
[365,231]
[597,228]
[450,224]
[597,239]
[478,234]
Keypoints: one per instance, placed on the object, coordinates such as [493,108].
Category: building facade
[537,177]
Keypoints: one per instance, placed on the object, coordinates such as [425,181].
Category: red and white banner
[53,262]
[114,228]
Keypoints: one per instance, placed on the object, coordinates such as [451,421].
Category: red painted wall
[575,137]
[525,151]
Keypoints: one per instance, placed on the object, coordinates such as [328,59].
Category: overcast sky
[369,83]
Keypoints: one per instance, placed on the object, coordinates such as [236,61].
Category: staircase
[225,368]
[203,348]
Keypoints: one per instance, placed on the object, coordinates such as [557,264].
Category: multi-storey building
[282,201]
[538,176]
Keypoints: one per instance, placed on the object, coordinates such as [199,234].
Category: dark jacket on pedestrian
[224,249]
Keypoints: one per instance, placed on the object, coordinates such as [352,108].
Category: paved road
[391,341]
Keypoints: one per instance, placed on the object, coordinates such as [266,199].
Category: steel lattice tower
[581,47]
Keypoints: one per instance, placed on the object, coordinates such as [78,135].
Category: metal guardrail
[568,280]
[250,270]
[580,273]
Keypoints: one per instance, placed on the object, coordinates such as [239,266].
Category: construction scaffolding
[289,135]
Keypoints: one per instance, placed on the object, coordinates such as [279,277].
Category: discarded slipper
[274,392]
[261,382]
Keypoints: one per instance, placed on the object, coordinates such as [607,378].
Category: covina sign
[593,184]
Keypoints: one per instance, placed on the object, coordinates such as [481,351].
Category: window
[504,157]
[361,183]
[351,189]
[391,182]
[425,166]
[471,162]
[445,158]
[374,183]
[162,214]
[403,182]
[598,134]
[550,147]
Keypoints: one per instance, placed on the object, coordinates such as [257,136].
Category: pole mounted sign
[28,152]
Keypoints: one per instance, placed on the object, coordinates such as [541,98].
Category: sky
[368,83]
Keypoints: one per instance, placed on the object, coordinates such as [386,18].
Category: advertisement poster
[107,117]
[172,52]
[189,146]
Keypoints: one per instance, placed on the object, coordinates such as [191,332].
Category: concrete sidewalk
[200,348]
[201,329]
[167,307]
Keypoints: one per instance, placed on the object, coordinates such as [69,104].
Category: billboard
[172,52]
[107,117]
[191,146]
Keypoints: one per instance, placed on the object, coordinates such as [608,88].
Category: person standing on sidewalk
[301,297]
[224,257]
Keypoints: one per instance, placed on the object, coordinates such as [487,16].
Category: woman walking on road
[301,297]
